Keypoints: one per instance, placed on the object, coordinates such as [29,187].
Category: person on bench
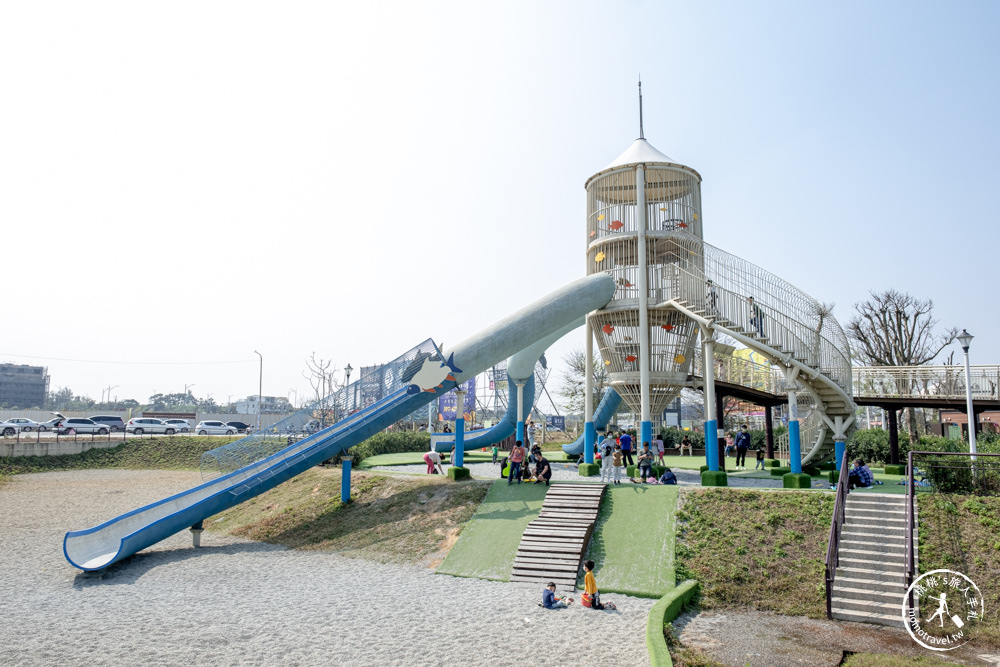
[686,442]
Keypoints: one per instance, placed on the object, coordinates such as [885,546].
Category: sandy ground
[234,602]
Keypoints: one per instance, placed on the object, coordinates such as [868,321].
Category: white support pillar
[642,283]
[713,476]
[520,411]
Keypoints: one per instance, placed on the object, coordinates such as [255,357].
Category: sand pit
[234,602]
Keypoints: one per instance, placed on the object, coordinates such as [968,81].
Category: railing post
[893,435]
[345,479]
[459,429]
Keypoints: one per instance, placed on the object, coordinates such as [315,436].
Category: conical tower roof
[640,152]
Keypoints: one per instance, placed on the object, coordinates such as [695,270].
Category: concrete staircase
[870,582]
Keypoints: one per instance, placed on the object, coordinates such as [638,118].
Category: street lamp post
[965,339]
[260,387]
[347,384]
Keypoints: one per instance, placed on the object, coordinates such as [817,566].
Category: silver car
[181,425]
[9,428]
[142,425]
[27,425]
[75,425]
[214,428]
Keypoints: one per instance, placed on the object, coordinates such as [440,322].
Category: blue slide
[602,415]
[98,547]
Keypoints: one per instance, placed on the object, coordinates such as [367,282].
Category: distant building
[23,386]
[270,405]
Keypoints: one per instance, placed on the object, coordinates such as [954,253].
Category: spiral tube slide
[98,547]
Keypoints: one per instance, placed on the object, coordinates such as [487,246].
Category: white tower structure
[640,210]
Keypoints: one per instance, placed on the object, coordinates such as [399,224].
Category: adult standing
[607,450]
[742,445]
[516,459]
[626,442]
[756,317]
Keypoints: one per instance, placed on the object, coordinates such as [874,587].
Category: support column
[642,286]
[769,431]
[839,445]
[589,432]
[196,531]
[713,476]
[796,479]
[890,414]
[345,479]
[459,461]
[520,411]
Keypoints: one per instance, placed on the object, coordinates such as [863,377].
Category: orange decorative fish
[607,328]
[668,327]
[616,225]
[631,357]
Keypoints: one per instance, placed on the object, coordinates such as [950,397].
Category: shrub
[388,442]
[589,469]
[672,437]
[872,446]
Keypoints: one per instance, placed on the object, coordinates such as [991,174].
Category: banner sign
[556,421]
[446,403]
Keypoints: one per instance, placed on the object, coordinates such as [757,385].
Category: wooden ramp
[553,544]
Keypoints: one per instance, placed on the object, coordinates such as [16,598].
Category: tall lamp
[965,339]
[260,387]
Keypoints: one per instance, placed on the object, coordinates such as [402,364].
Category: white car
[214,428]
[27,425]
[75,425]
[142,425]
[9,428]
[182,425]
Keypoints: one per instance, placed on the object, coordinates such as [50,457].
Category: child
[760,459]
[668,477]
[590,588]
[616,462]
[494,450]
[550,601]
[659,447]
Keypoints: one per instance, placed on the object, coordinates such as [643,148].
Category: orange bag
[587,600]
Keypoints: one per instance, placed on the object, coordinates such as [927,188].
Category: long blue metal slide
[98,547]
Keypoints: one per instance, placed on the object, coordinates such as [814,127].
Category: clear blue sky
[187,182]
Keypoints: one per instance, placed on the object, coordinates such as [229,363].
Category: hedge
[388,442]
[665,611]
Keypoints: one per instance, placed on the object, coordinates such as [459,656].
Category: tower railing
[946,382]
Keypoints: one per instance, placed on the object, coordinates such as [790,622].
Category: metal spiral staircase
[783,323]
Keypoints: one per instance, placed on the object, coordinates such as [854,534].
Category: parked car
[8,428]
[26,425]
[142,425]
[50,425]
[240,427]
[182,425]
[214,428]
[112,422]
[75,425]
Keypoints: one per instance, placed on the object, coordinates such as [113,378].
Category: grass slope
[176,452]
[390,519]
[755,549]
[633,543]
[962,533]
[488,544]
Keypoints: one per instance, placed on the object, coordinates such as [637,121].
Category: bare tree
[573,390]
[320,374]
[897,329]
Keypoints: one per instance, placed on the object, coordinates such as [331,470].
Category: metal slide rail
[364,392]
[946,382]
[836,526]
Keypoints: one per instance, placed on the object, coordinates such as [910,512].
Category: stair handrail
[909,566]
[833,546]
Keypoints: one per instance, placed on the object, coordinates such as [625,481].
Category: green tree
[573,390]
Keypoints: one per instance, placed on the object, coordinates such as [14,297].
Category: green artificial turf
[633,543]
[488,543]
[417,458]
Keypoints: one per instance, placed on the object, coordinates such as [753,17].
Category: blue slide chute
[606,409]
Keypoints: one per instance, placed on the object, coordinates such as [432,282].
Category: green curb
[833,476]
[589,469]
[812,471]
[793,480]
[714,478]
[630,471]
[457,474]
[778,472]
[772,463]
[891,469]
[828,465]
[664,611]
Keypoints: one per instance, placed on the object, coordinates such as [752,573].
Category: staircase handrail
[910,568]
[833,546]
